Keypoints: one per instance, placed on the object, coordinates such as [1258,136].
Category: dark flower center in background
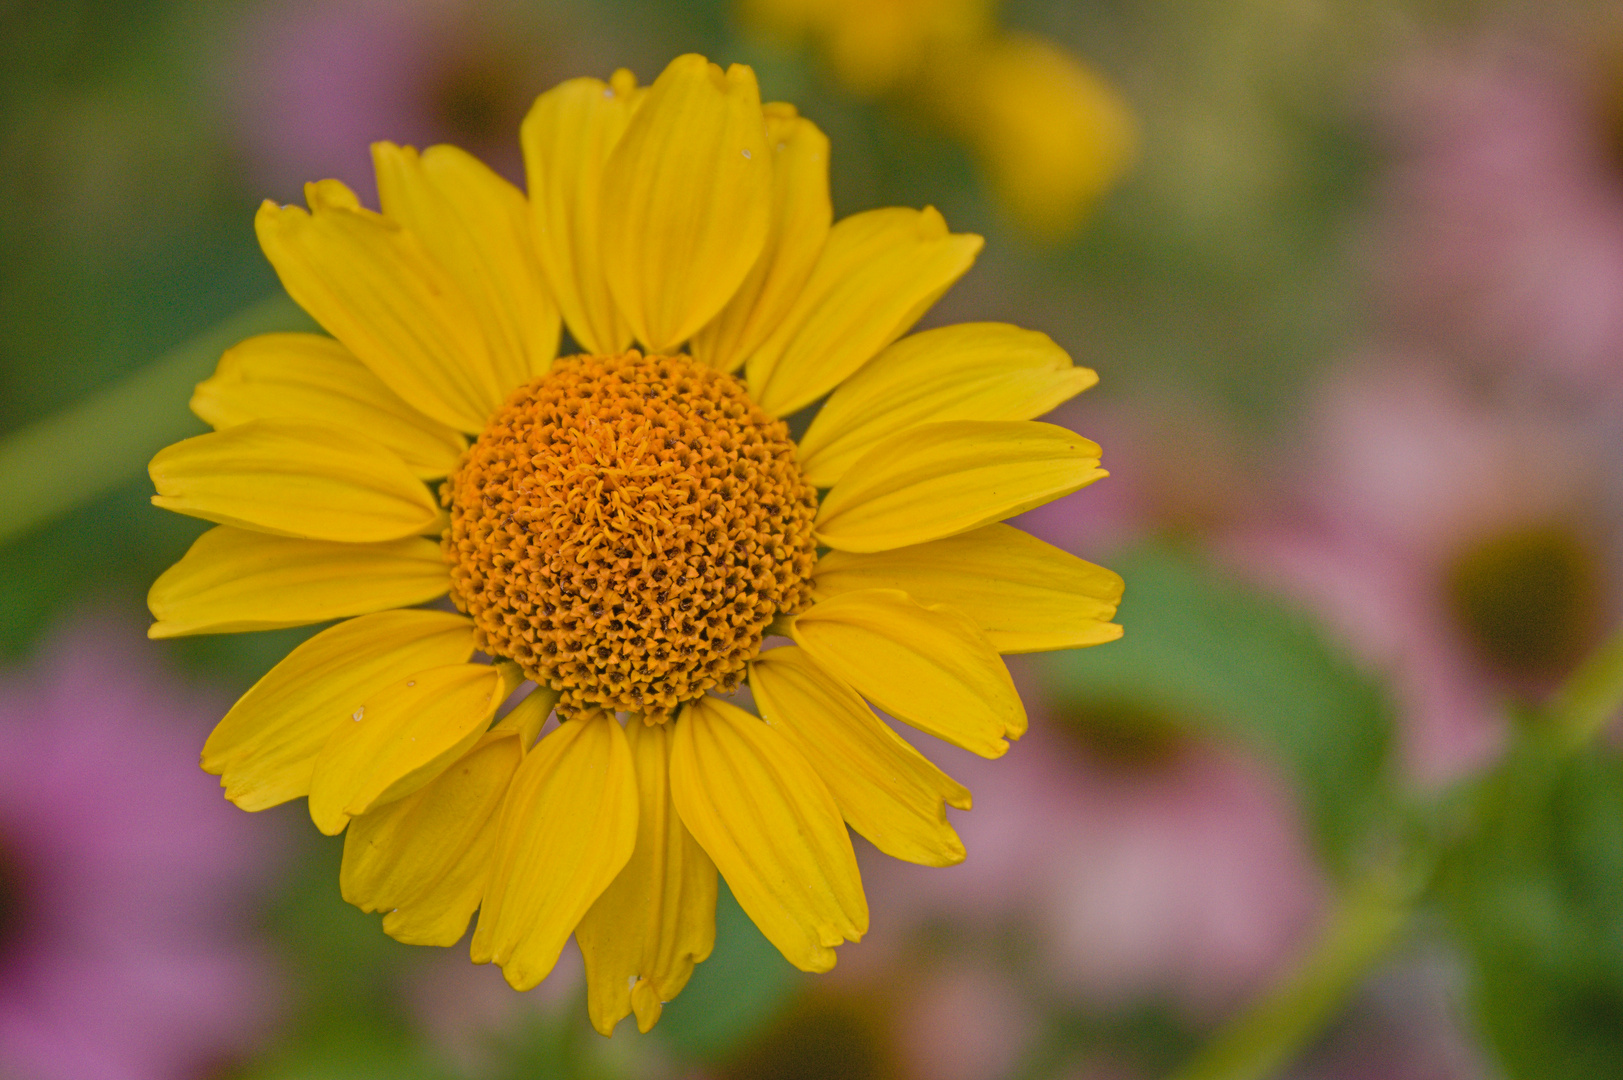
[13,897]
[1123,734]
[1530,600]
[821,1037]
[1609,105]
[478,98]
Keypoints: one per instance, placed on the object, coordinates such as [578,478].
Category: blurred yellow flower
[625,529]
[877,46]
[1052,135]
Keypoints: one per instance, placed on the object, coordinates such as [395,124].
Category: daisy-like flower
[624,530]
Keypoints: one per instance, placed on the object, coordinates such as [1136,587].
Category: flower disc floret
[625,529]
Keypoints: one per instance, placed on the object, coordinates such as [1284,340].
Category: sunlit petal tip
[886,790]
[400,739]
[233,580]
[876,275]
[374,286]
[944,478]
[265,748]
[567,829]
[932,668]
[1024,594]
[762,813]
[968,371]
[686,200]
[567,137]
[294,479]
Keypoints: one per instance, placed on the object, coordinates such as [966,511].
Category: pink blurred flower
[468,1012]
[1465,545]
[1501,231]
[315,82]
[123,874]
[1175,472]
[1159,871]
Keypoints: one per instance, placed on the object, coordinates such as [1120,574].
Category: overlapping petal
[401,737]
[373,285]
[887,791]
[765,817]
[423,859]
[313,379]
[477,226]
[945,478]
[294,479]
[877,274]
[265,748]
[1025,595]
[800,219]
[567,138]
[687,198]
[929,667]
[972,371]
[568,828]
[658,918]
[234,579]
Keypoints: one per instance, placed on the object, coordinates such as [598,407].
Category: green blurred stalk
[71,457]
[1590,698]
[1374,911]
[1364,926]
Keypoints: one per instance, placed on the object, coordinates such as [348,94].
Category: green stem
[1590,698]
[1267,1036]
[69,458]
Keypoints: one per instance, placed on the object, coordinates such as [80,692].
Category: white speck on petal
[746,152]
[358,714]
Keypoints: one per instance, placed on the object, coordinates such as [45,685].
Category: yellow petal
[265,747]
[878,273]
[372,285]
[760,810]
[801,213]
[477,226]
[687,198]
[928,667]
[401,737]
[233,579]
[887,791]
[423,859]
[568,827]
[313,379]
[1025,595]
[292,479]
[567,137]
[945,478]
[529,716]
[973,371]
[658,918]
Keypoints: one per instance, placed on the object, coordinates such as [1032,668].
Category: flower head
[1421,539]
[626,528]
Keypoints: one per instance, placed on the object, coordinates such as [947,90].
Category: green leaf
[1536,894]
[739,989]
[1231,662]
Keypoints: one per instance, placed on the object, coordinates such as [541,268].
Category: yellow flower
[625,528]
[877,46]
[1052,135]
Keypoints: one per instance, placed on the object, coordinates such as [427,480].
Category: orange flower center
[625,529]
